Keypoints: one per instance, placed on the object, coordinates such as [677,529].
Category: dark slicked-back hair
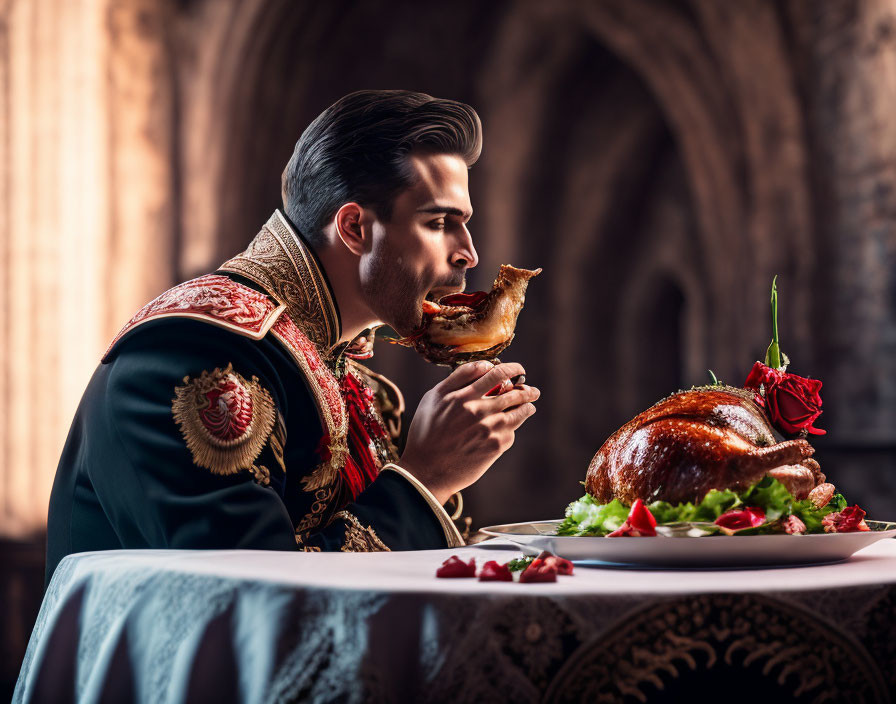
[357,149]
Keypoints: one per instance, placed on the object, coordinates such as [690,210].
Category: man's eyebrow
[447,209]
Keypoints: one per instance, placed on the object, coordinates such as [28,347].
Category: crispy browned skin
[454,334]
[694,441]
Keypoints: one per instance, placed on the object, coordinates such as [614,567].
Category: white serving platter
[677,549]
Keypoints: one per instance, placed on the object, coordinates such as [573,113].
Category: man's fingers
[517,416]
[496,376]
[464,375]
[515,397]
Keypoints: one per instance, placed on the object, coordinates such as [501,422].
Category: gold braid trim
[358,538]
[452,535]
[327,396]
[212,299]
[278,442]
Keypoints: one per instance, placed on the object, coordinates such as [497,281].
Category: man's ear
[349,228]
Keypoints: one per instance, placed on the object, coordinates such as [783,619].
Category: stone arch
[671,265]
[596,219]
[653,350]
[729,124]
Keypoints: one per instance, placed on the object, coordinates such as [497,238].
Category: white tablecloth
[187,626]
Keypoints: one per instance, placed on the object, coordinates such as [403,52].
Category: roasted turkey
[713,437]
[465,327]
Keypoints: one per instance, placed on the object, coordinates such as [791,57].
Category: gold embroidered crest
[225,420]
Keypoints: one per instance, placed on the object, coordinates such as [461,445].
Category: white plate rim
[743,550]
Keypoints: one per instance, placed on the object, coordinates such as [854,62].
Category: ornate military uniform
[225,415]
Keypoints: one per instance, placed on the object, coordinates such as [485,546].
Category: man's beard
[393,292]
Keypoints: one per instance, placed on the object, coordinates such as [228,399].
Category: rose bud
[793,402]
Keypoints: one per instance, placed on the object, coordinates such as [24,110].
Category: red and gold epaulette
[213,299]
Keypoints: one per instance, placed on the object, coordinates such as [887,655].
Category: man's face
[425,248]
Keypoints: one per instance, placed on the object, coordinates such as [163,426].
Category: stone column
[851,48]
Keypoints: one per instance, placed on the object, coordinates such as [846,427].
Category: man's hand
[458,432]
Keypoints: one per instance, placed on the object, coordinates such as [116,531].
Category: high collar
[285,266]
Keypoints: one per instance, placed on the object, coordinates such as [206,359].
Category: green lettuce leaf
[811,516]
[714,504]
[587,517]
[770,495]
[520,563]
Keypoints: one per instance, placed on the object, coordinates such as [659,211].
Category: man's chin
[405,325]
[405,330]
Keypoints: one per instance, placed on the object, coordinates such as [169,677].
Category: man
[228,414]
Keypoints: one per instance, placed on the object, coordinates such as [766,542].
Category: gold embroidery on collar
[281,263]
[358,538]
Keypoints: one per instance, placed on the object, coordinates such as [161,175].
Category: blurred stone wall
[662,160]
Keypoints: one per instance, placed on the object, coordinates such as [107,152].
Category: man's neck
[342,271]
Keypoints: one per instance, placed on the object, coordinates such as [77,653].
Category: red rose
[762,374]
[793,403]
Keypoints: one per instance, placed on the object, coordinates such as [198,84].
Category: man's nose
[465,256]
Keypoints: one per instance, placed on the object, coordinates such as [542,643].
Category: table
[254,626]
